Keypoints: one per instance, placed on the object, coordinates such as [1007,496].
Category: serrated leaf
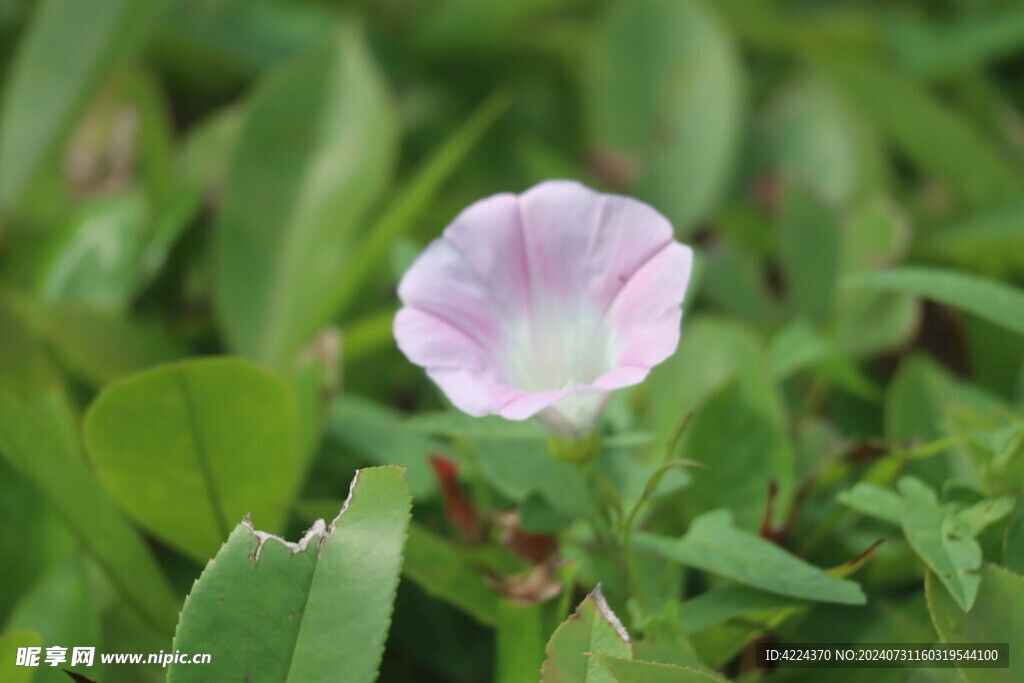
[713,544]
[677,128]
[625,670]
[183,448]
[996,617]
[994,301]
[68,49]
[316,610]
[314,153]
[592,628]
[946,547]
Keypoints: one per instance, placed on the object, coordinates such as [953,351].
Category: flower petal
[543,303]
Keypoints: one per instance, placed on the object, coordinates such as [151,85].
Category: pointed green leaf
[625,670]
[592,628]
[722,603]
[994,301]
[873,501]
[313,155]
[996,617]
[183,448]
[942,541]
[317,610]
[715,545]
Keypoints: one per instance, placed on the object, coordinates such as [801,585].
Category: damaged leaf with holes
[317,609]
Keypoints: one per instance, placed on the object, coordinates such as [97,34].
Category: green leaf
[994,301]
[996,617]
[625,670]
[297,194]
[741,448]
[941,540]
[966,42]
[722,603]
[664,640]
[411,201]
[984,513]
[316,610]
[63,607]
[100,347]
[715,545]
[1013,542]
[69,48]
[592,628]
[873,501]
[32,444]
[520,641]
[10,641]
[449,573]
[378,433]
[675,131]
[96,260]
[809,249]
[712,352]
[931,135]
[518,468]
[183,448]
[989,241]
[810,134]
[456,424]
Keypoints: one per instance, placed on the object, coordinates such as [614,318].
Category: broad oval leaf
[316,610]
[665,104]
[183,448]
[314,153]
[68,49]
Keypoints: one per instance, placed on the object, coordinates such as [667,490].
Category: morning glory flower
[540,304]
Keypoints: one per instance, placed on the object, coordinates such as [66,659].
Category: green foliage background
[206,205]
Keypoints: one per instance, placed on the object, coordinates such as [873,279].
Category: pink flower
[543,303]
